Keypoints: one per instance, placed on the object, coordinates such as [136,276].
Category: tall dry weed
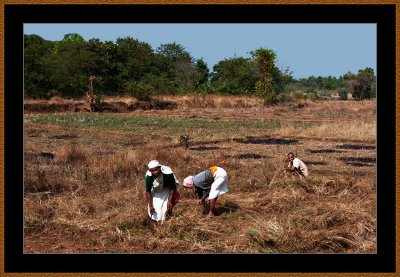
[73,152]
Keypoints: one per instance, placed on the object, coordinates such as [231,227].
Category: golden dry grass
[84,189]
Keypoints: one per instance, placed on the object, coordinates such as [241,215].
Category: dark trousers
[202,193]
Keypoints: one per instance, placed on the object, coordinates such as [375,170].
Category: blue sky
[307,49]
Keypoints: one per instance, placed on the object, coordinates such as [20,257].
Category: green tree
[174,52]
[180,67]
[202,73]
[36,69]
[72,63]
[133,58]
[236,75]
[265,86]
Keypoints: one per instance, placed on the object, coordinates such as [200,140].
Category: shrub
[140,90]
[184,141]
[342,94]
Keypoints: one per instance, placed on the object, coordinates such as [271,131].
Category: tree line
[131,67]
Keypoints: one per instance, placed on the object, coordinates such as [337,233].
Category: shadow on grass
[249,156]
[229,207]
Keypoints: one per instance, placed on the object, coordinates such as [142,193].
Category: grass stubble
[84,184]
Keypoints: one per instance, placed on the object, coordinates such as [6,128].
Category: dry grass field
[84,175]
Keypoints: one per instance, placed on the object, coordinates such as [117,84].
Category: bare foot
[209,217]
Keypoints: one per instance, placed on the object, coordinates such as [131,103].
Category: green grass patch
[146,124]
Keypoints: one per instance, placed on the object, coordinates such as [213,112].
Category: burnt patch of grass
[361,173]
[358,161]
[47,155]
[204,148]
[356,147]
[358,164]
[314,163]
[64,136]
[268,141]
[324,151]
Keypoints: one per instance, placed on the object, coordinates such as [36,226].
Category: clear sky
[306,49]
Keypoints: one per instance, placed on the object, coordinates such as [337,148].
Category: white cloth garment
[160,203]
[160,195]
[300,165]
[220,184]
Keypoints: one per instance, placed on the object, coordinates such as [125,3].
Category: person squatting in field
[296,165]
[210,183]
[161,190]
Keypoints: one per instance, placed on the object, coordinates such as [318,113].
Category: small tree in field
[342,94]
[265,60]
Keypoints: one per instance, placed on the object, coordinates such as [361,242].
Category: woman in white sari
[161,190]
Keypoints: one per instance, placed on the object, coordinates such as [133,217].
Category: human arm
[290,168]
[204,197]
[149,199]
[294,165]
[170,197]
[170,182]
[289,165]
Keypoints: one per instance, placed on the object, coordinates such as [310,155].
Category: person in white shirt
[210,183]
[296,165]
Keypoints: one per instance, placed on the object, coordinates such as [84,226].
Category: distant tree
[265,86]
[133,59]
[37,71]
[362,85]
[342,94]
[181,68]
[72,62]
[203,73]
[236,75]
[174,52]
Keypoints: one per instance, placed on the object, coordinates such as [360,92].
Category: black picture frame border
[16,15]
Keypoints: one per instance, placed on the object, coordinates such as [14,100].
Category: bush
[140,90]
[342,94]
